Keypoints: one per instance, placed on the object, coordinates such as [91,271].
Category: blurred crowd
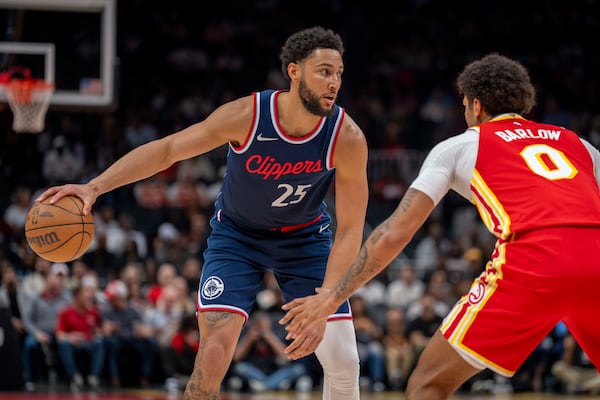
[137,284]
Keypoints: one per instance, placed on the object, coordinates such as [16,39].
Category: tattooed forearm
[360,271]
[379,232]
[406,201]
[373,255]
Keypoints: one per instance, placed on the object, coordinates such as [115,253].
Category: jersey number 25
[290,195]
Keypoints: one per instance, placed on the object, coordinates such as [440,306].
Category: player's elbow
[163,151]
[396,239]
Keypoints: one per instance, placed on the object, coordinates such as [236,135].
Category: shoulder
[66,296]
[134,313]
[351,144]
[237,109]
[350,131]
[107,312]
[456,145]
[590,147]
[466,138]
[351,136]
[231,120]
[64,313]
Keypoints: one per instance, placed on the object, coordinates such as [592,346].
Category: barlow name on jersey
[508,135]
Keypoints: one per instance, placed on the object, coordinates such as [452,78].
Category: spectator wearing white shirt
[406,290]
[60,164]
[15,214]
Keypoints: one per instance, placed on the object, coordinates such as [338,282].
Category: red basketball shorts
[529,285]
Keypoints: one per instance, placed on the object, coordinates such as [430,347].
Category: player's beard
[311,102]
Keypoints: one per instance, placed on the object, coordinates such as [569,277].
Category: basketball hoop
[29,100]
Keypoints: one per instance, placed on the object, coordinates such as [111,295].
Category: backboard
[68,42]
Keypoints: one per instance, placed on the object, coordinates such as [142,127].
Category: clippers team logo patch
[212,288]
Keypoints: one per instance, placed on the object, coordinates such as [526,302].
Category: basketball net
[29,100]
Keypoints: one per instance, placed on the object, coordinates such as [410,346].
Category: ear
[477,108]
[294,71]
[479,112]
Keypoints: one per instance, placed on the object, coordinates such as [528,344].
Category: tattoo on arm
[351,280]
[364,266]
[406,201]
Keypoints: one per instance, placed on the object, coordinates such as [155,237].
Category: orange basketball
[59,232]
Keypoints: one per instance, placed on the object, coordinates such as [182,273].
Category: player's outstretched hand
[84,192]
[307,318]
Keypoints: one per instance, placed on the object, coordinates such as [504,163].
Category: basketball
[59,232]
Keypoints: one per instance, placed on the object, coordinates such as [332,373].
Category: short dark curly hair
[301,44]
[501,85]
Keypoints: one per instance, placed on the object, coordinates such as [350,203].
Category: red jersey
[535,189]
[530,175]
[71,320]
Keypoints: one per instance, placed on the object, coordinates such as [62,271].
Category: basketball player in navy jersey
[285,149]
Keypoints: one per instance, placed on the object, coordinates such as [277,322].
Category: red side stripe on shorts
[456,320]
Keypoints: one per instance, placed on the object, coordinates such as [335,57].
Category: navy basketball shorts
[236,259]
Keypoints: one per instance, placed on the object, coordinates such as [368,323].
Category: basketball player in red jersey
[536,189]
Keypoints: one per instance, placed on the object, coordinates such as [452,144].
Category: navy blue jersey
[276,182]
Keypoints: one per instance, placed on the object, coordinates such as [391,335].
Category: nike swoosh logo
[261,138]
[322,228]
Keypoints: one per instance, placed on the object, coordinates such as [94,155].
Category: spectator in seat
[165,274]
[370,348]
[123,327]
[398,353]
[78,331]
[178,357]
[259,357]
[34,282]
[9,297]
[575,370]
[15,214]
[39,319]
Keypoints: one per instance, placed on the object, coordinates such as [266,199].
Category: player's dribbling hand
[84,192]
[307,318]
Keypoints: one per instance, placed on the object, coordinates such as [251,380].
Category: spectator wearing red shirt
[77,332]
[178,358]
[165,274]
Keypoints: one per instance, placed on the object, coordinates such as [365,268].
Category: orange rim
[22,89]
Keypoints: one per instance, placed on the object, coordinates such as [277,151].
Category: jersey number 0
[548,162]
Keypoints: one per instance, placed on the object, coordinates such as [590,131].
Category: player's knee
[349,368]
[218,340]
[340,361]
[337,352]
[349,362]
[214,352]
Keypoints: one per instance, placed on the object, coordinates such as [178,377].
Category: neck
[484,117]
[293,117]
